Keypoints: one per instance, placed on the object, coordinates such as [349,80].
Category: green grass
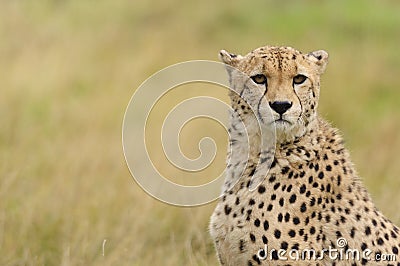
[68,68]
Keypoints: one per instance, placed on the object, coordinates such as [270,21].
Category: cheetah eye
[299,79]
[259,79]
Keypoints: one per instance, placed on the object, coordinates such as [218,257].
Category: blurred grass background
[68,69]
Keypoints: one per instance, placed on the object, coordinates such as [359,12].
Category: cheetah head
[277,85]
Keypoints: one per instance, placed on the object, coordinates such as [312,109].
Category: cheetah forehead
[279,60]
[272,59]
[275,52]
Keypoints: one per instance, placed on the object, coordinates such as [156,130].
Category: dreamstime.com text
[342,252]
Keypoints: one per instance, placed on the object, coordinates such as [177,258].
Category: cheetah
[301,194]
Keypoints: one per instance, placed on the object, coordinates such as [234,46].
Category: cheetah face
[279,84]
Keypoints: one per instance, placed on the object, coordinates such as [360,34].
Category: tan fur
[311,194]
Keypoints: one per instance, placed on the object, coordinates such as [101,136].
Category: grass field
[68,69]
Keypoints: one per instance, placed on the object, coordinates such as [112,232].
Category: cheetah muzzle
[311,195]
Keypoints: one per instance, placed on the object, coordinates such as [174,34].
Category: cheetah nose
[280,107]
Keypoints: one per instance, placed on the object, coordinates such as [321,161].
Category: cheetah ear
[320,58]
[229,59]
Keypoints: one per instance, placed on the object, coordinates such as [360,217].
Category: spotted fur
[311,194]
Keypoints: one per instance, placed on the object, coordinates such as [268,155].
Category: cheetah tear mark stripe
[259,102]
[242,92]
[301,105]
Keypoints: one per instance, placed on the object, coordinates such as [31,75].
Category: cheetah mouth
[282,121]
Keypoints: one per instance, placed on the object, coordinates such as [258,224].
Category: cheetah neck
[247,152]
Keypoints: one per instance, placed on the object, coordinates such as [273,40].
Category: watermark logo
[137,143]
[341,252]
